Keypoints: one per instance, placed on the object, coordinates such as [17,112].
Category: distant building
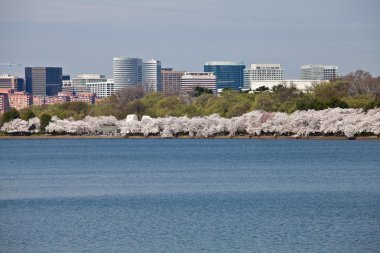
[51,100]
[67,86]
[299,84]
[19,99]
[63,97]
[319,72]
[66,83]
[171,81]
[152,76]
[228,74]
[11,82]
[38,100]
[80,83]
[43,81]
[102,89]
[4,102]
[262,72]
[65,77]
[84,98]
[126,71]
[191,80]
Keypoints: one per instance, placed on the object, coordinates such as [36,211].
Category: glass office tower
[152,76]
[228,74]
[126,71]
[43,81]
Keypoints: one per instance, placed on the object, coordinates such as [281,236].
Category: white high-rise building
[126,71]
[319,72]
[152,76]
[79,84]
[191,80]
[102,89]
[262,72]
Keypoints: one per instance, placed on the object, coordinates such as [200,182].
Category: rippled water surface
[165,195]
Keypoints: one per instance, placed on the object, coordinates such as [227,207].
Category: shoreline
[264,137]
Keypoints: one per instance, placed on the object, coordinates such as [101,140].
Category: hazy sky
[82,36]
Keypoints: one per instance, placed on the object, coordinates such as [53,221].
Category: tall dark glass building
[228,74]
[43,81]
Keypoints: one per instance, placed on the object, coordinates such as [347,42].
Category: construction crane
[10,65]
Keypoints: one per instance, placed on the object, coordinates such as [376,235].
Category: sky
[83,36]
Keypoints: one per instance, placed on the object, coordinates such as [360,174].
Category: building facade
[319,72]
[66,83]
[88,98]
[4,102]
[102,89]
[171,81]
[191,80]
[302,85]
[20,99]
[262,72]
[11,82]
[38,100]
[152,76]
[43,81]
[51,100]
[126,71]
[228,74]
[79,83]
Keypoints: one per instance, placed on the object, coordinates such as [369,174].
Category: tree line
[355,90]
[329,122]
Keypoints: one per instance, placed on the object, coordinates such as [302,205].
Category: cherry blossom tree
[332,121]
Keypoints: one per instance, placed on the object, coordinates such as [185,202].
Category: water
[164,195]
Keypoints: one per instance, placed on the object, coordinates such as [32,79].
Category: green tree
[372,105]
[265,101]
[336,102]
[136,107]
[27,114]
[358,101]
[11,115]
[308,102]
[238,109]
[200,90]
[262,89]
[169,106]
[45,120]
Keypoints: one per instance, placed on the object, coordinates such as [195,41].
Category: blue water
[165,195]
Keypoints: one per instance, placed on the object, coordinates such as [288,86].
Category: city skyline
[184,35]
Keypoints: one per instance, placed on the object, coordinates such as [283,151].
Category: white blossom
[333,121]
[22,126]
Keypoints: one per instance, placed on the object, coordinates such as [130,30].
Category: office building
[43,81]
[126,71]
[191,80]
[301,85]
[319,72]
[171,81]
[88,98]
[38,100]
[65,78]
[66,83]
[228,74]
[80,83]
[102,89]
[11,82]
[152,76]
[19,99]
[4,101]
[262,72]
[51,100]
